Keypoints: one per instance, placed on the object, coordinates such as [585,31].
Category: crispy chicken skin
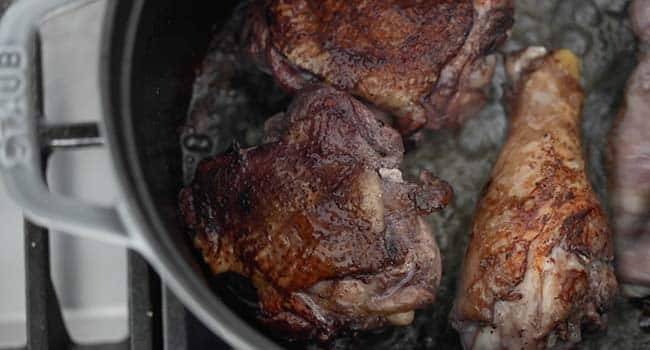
[539,261]
[422,61]
[319,218]
[630,169]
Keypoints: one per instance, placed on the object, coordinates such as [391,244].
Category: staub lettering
[13,127]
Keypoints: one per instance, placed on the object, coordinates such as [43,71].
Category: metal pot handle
[20,146]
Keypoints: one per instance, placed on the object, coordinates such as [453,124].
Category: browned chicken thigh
[320,219]
[422,61]
[630,169]
[539,262]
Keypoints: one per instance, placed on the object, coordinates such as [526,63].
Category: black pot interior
[171,41]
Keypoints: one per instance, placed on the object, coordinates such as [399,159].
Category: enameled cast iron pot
[149,53]
[151,50]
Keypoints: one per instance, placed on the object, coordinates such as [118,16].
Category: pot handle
[21,154]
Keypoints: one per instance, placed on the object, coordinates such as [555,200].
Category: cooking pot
[150,52]
[148,57]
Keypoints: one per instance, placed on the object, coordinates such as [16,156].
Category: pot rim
[137,208]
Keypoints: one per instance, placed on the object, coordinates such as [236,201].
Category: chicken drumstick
[539,261]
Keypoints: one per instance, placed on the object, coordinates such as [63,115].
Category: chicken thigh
[422,61]
[320,219]
[539,262]
[630,169]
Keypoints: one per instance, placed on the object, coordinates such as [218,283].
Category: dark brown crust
[327,240]
[417,60]
[246,179]
[444,104]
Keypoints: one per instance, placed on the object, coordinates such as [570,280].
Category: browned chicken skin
[422,61]
[539,261]
[630,169]
[320,219]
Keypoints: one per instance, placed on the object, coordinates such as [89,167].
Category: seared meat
[630,169]
[319,218]
[423,61]
[539,261]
